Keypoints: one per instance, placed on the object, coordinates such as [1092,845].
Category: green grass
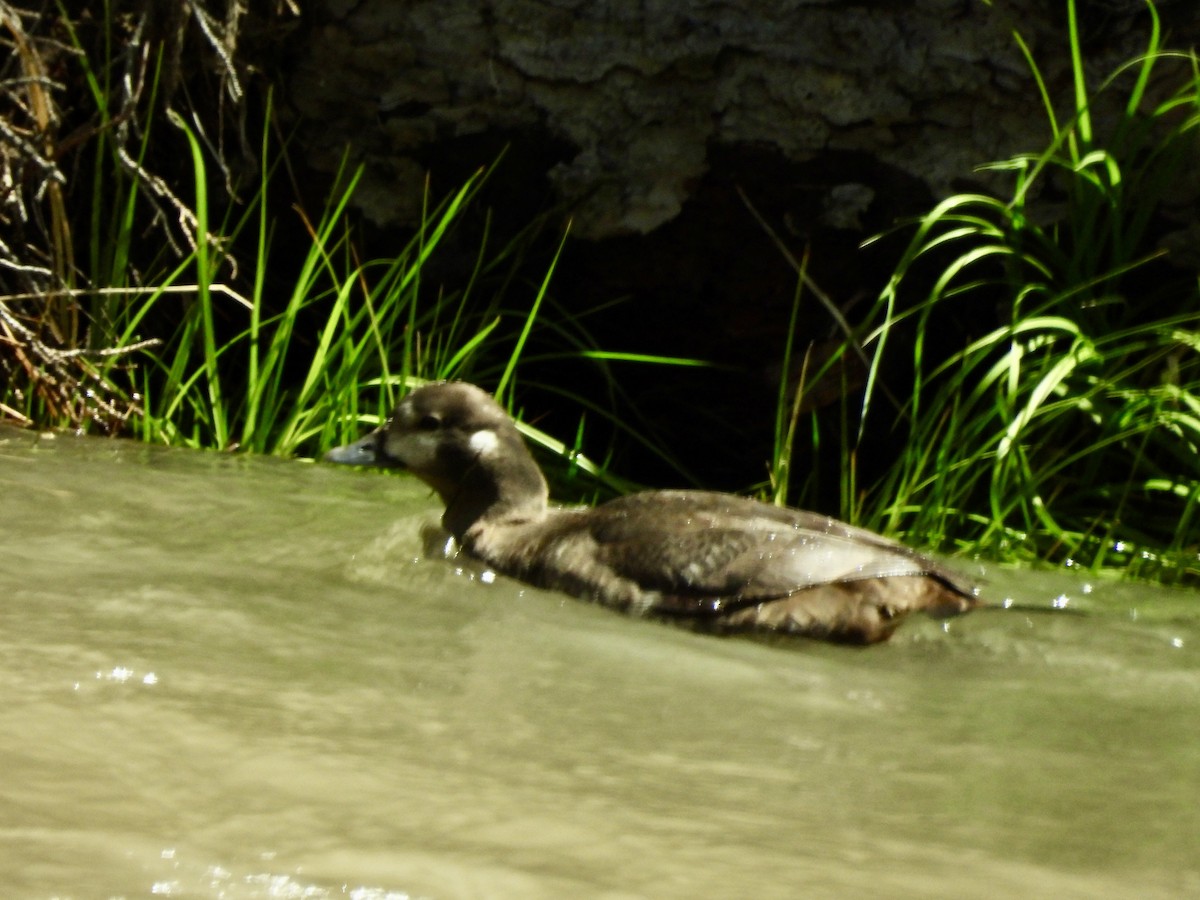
[194,345]
[188,352]
[293,376]
[1070,429]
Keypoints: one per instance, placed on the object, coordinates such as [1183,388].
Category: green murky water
[229,677]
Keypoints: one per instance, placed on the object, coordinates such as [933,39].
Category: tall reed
[1070,429]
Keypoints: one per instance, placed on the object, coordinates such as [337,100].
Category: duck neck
[515,490]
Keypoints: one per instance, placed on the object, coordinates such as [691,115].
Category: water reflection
[243,678]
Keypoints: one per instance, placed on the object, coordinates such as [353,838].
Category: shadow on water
[232,677]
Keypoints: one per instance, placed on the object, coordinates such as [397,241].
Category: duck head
[461,442]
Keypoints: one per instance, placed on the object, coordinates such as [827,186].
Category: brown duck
[713,561]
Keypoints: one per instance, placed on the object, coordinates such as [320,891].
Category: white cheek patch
[484,443]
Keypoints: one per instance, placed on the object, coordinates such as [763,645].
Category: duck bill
[366,451]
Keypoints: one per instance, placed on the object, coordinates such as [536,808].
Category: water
[237,678]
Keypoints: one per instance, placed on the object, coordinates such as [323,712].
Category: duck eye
[429,422]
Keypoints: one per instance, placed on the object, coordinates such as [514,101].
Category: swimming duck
[714,561]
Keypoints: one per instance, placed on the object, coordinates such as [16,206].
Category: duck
[714,562]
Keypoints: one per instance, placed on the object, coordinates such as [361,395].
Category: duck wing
[712,553]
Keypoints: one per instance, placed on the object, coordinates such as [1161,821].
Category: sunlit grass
[1069,429]
[292,373]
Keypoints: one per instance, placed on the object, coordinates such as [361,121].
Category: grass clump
[180,320]
[1070,429]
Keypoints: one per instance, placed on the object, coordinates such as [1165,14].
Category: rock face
[633,100]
